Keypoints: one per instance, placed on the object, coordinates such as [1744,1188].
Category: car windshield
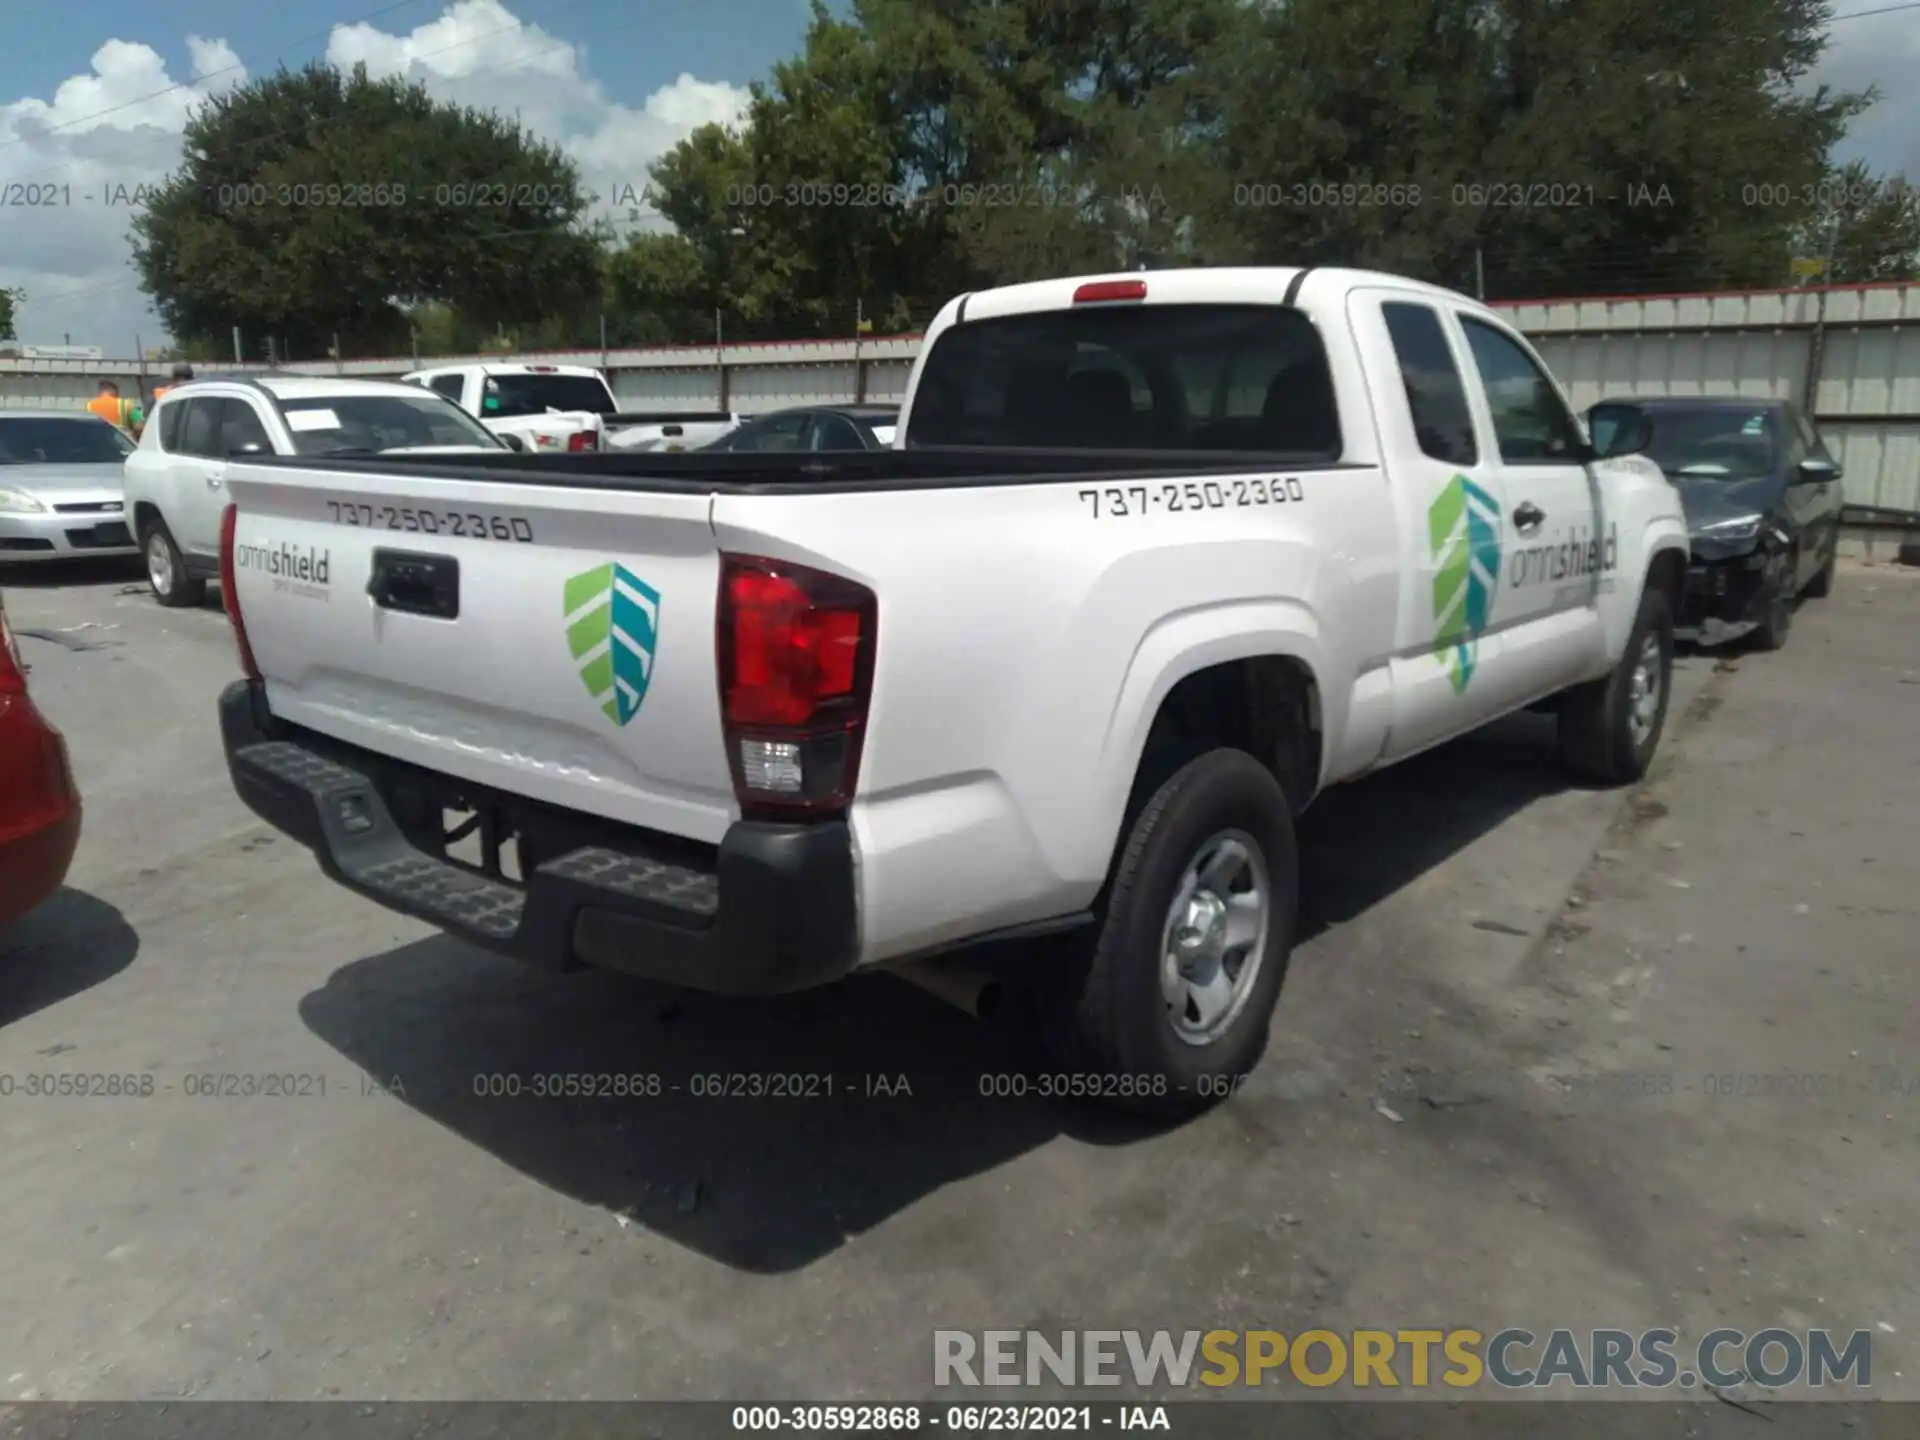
[55,441]
[504,396]
[1169,377]
[372,423]
[1711,443]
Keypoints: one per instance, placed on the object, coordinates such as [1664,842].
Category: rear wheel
[1610,728]
[1195,933]
[167,570]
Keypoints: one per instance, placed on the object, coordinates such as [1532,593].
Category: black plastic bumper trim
[773,912]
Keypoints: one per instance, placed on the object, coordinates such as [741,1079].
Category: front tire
[1771,633]
[1195,932]
[1610,728]
[167,573]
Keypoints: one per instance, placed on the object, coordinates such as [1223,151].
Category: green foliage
[916,149]
[10,302]
[315,201]
[1870,228]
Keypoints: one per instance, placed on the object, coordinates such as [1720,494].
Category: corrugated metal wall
[1865,342]
[1762,343]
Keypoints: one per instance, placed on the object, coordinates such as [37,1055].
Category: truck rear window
[1152,377]
[503,396]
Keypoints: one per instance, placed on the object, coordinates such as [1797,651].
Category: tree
[658,292]
[1599,147]
[1869,227]
[315,201]
[10,301]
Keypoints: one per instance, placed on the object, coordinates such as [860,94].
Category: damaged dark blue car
[1763,500]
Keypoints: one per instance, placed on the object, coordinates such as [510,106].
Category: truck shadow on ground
[68,944]
[889,1094]
[1360,843]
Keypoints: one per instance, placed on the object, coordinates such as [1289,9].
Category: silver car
[60,487]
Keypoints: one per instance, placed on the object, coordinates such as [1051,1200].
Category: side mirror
[1619,430]
[1815,471]
[514,442]
[241,452]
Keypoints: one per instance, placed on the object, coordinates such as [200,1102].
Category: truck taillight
[582,440]
[230,592]
[1105,292]
[796,649]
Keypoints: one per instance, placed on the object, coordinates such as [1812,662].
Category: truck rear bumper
[772,909]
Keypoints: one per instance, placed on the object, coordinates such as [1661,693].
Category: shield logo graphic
[1464,529]
[613,628]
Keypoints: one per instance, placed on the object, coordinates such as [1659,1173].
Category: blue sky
[93,97]
[636,46]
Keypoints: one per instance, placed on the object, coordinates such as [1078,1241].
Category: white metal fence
[1850,355]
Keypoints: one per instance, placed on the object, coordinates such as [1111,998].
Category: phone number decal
[460,524]
[1113,501]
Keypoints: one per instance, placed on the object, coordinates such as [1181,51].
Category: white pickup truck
[569,408]
[1156,558]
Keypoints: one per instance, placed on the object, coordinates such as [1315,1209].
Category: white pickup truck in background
[565,408]
[1159,557]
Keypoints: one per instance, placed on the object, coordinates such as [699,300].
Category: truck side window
[1531,422]
[1435,393]
[451,386]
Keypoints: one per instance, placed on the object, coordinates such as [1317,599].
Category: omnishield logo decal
[305,571]
[613,623]
[1463,528]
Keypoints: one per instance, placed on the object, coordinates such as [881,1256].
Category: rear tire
[1194,936]
[1610,728]
[167,573]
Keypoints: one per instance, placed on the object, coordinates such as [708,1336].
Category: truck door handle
[1527,516]
[417,584]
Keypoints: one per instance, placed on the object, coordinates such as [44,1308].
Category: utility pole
[1817,345]
[1479,274]
[603,341]
[236,345]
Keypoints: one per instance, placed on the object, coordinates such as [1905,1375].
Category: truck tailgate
[556,643]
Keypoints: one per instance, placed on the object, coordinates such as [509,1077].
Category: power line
[1883,10]
[199,79]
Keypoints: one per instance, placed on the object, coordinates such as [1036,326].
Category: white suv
[176,479]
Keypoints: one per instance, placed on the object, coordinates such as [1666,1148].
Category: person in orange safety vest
[108,405]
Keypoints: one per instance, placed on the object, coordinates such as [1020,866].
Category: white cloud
[103,135]
[1883,51]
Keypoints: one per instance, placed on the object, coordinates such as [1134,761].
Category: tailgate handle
[415,583]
